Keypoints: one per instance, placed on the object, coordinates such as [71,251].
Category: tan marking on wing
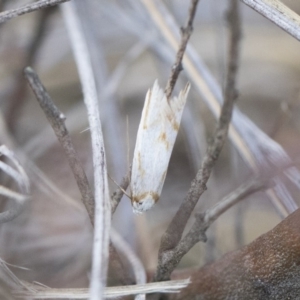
[146,108]
[175,125]
[163,138]
[141,196]
[171,118]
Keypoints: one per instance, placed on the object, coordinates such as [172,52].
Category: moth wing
[156,136]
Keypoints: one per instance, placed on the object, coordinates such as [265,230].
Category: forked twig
[173,235]
[57,121]
[185,36]
[203,221]
[9,14]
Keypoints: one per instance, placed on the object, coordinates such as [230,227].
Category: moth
[156,136]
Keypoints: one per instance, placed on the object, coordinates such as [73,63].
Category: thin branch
[185,36]
[202,221]
[172,236]
[119,192]
[57,121]
[102,199]
[278,13]
[9,14]
[240,193]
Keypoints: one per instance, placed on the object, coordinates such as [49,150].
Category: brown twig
[172,236]
[57,121]
[119,192]
[9,14]
[185,36]
[203,221]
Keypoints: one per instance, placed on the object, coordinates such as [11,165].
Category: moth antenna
[119,186]
[84,130]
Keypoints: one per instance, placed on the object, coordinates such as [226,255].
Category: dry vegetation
[107,54]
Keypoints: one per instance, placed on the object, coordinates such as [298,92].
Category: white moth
[156,136]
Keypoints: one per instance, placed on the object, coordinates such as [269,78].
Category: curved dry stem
[102,199]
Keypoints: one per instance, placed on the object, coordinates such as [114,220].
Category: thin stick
[185,36]
[119,192]
[57,121]
[9,14]
[102,199]
[278,13]
[172,236]
[203,221]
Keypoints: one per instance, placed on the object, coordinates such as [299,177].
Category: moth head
[144,202]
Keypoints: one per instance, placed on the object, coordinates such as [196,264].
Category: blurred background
[53,236]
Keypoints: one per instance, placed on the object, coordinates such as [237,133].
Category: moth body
[156,136]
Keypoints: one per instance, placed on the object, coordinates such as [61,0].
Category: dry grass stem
[278,13]
[172,236]
[102,199]
[9,14]
[57,121]
[173,286]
